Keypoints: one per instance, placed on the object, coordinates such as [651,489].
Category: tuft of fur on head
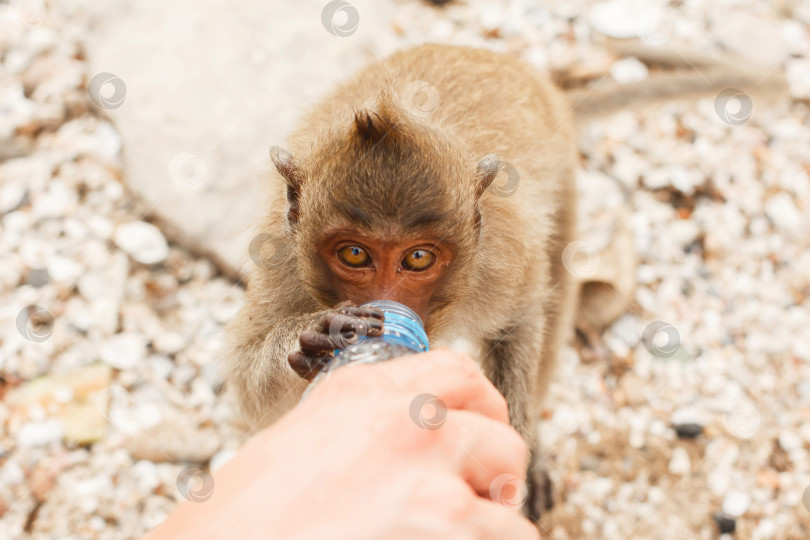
[387,166]
[372,127]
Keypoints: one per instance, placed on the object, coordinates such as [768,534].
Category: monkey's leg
[513,364]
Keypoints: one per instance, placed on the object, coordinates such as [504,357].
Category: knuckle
[459,362]
[458,506]
[513,444]
[500,402]
[450,496]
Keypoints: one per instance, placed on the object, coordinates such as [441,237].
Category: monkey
[387,192]
[441,177]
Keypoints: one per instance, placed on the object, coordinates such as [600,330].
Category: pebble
[628,70]
[123,351]
[12,195]
[636,439]
[39,433]
[58,201]
[620,18]
[766,529]
[688,431]
[143,241]
[169,342]
[736,503]
[64,270]
[790,440]
[626,329]
[38,277]
[80,384]
[782,211]
[725,523]
[84,423]
[680,463]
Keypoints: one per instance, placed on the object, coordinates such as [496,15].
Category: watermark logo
[733,106]
[35,323]
[661,339]
[581,259]
[187,171]
[343,337]
[428,411]
[509,491]
[743,422]
[510,186]
[106,90]
[115,403]
[195,484]
[340,18]
[421,98]
[28,12]
[267,250]
[657,31]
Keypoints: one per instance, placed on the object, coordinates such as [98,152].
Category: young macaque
[441,178]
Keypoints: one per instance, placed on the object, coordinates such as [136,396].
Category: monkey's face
[386,207]
[388,264]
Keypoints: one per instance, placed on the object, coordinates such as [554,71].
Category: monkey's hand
[335,328]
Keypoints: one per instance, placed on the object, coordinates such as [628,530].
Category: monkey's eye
[418,259]
[353,256]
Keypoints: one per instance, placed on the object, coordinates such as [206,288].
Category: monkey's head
[385,206]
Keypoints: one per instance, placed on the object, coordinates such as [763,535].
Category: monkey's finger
[364,311]
[366,326]
[307,366]
[314,342]
[337,322]
[483,450]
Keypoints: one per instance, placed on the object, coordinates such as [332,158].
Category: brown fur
[363,157]
[512,295]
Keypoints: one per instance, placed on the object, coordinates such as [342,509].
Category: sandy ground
[113,405]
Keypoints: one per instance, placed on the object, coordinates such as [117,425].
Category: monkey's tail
[674,75]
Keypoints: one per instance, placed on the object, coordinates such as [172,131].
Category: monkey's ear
[286,166]
[485,172]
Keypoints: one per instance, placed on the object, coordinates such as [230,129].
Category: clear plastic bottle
[403,334]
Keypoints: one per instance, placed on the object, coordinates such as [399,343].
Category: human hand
[352,461]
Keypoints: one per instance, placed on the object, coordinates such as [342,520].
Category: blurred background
[134,142]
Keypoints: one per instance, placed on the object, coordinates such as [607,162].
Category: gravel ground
[111,398]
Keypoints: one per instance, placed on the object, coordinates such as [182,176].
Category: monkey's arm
[258,371]
[272,353]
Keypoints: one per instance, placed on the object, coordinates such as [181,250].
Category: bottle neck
[402,325]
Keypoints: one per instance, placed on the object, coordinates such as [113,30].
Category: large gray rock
[200,90]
